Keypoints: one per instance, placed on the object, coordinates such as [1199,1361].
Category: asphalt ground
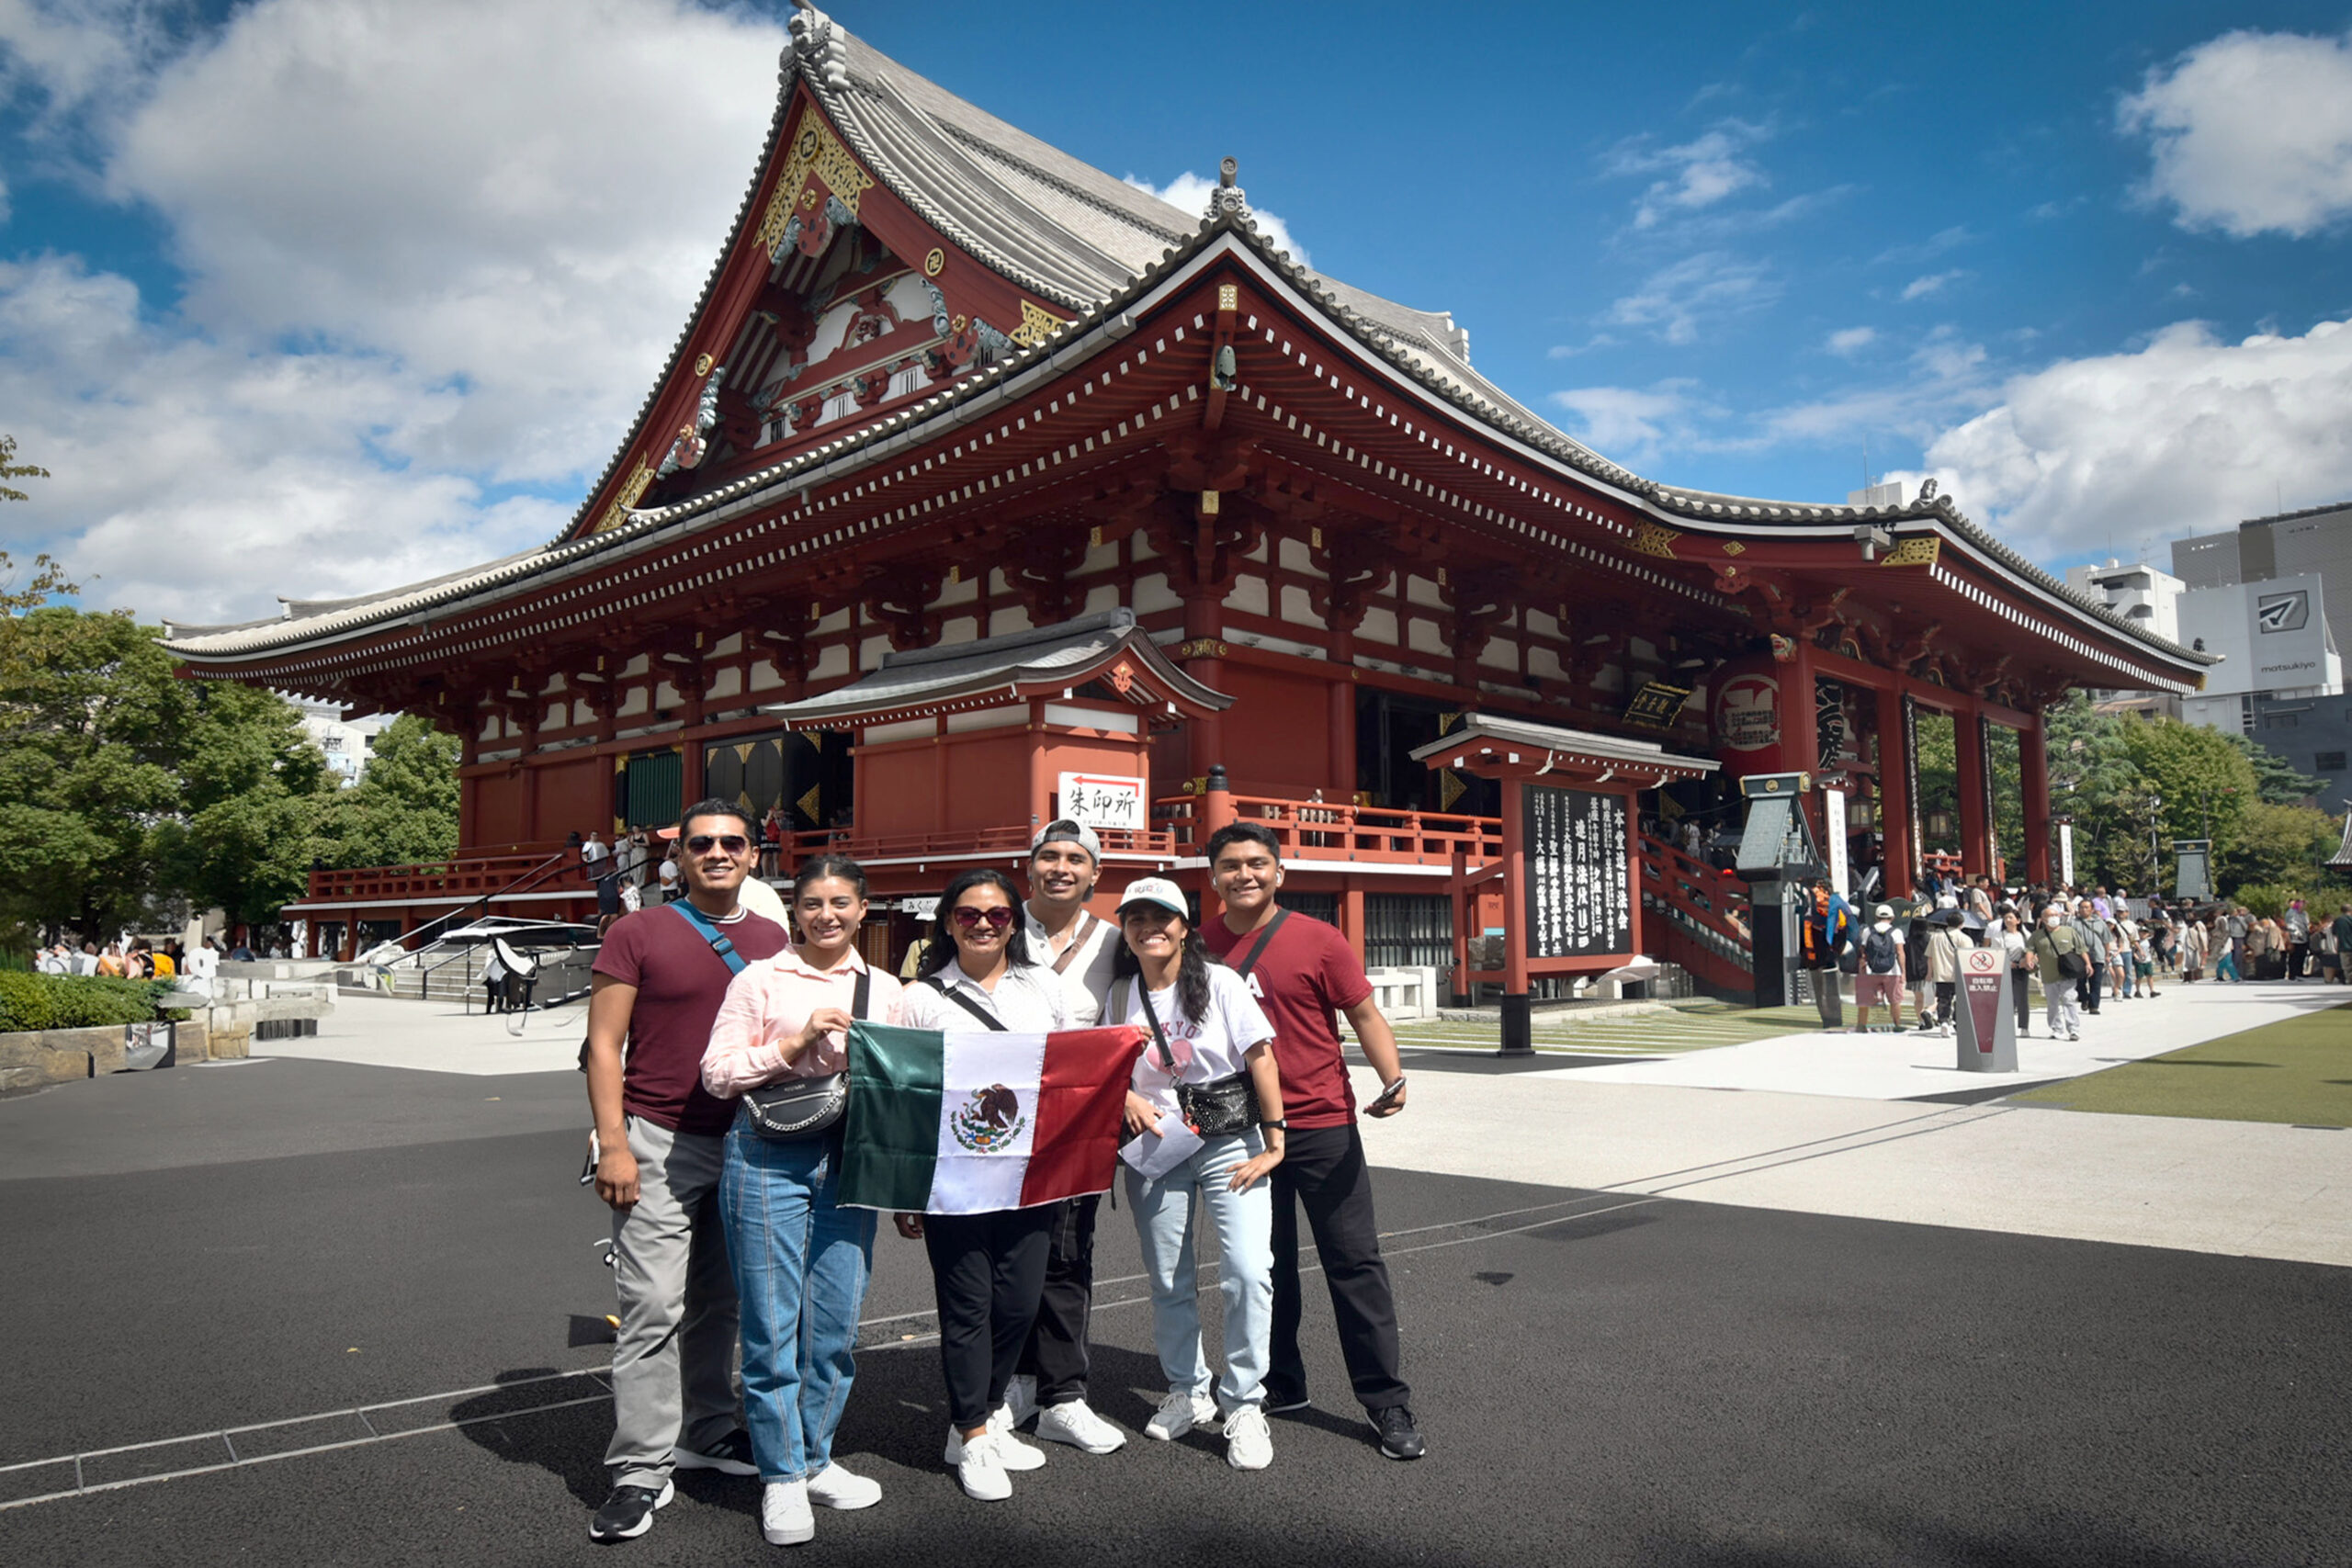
[1604,1378]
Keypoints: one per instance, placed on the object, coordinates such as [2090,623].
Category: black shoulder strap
[966,1003]
[857,999]
[1159,1038]
[1259,950]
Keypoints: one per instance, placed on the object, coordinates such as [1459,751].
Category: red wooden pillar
[1217,812]
[1801,728]
[1975,833]
[689,772]
[1518,1017]
[2033,766]
[1634,860]
[1894,794]
[1341,767]
[1352,916]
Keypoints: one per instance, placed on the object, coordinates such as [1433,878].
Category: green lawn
[2298,1071]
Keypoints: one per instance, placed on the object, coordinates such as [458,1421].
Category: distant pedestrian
[2058,947]
[594,850]
[1879,974]
[2092,928]
[2017,956]
[2299,938]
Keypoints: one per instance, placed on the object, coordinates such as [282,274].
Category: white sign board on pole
[1101,800]
[2066,854]
[1833,821]
[921,908]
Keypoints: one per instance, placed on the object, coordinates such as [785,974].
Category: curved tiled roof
[1069,232]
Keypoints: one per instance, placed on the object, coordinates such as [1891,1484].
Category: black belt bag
[1216,1109]
[800,1109]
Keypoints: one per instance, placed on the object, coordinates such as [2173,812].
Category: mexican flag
[973,1121]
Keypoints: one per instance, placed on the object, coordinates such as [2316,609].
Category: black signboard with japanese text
[1577,890]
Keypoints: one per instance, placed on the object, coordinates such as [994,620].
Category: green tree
[12,469]
[251,784]
[88,739]
[404,809]
[2278,846]
[2275,782]
[2198,772]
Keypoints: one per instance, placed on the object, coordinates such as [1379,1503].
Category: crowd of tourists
[637,871]
[728,1230]
[134,958]
[2081,946]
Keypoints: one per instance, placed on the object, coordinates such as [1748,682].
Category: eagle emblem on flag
[990,1121]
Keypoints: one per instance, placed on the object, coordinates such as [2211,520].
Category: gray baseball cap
[1063,831]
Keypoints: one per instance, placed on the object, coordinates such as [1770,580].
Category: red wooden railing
[1322,830]
[849,841]
[449,878]
[1698,915]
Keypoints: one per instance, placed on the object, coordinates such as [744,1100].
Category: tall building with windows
[2315,541]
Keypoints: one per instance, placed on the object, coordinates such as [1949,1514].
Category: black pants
[986,1272]
[2089,988]
[2297,956]
[1945,991]
[1056,1353]
[2017,995]
[1324,1167]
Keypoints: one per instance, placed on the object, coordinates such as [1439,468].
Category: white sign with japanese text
[1101,800]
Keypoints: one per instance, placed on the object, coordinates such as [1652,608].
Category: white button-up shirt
[1028,999]
[1086,979]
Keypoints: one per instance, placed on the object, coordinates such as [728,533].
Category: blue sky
[316,298]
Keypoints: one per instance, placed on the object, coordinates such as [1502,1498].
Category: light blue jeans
[1166,1212]
[801,1263]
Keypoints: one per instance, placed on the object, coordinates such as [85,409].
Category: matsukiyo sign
[1103,800]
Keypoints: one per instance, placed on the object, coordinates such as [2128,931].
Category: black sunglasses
[733,843]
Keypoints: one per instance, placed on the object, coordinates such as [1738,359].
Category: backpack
[1878,951]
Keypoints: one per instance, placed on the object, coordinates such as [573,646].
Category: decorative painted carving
[1037,325]
[816,49]
[1655,539]
[692,442]
[1920,549]
[617,512]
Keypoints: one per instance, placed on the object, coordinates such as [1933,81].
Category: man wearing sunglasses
[657,984]
[1064,863]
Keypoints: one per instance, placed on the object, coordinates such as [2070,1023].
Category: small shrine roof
[1481,733]
[1006,669]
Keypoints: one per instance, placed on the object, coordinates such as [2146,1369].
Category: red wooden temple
[947,385]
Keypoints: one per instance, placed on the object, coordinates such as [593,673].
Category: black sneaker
[1399,1439]
[1279,1401]
[629,1512]
[731,1455]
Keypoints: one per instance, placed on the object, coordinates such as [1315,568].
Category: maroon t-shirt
[1305,975]
[680,983]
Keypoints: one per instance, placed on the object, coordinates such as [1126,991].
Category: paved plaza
[1747,1305]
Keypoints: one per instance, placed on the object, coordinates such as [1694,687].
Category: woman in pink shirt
[800,1260]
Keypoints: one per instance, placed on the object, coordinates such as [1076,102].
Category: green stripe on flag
[890,1138]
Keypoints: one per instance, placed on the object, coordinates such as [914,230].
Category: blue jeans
[801,1263]
[1164,1211]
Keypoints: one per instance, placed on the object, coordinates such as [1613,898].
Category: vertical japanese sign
[2066,854]
[1099,801]
[1578,876]
[1833,822]
[1992,847]
[1911,784]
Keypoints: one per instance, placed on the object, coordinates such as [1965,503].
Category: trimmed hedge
[74,1001]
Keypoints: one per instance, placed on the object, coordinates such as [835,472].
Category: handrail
[520,884]
[1693,892]
[1316,829]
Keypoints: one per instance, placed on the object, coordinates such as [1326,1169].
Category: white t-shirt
[1211,1048]
[594,850]
[669,874]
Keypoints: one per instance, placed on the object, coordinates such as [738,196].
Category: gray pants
[673,1361]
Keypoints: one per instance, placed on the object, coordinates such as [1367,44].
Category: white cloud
[1934,283]
[479,228]
[2190,432]
[1626,424]
[1849,340]
[1699,173]
[1191,192]
[1676,299]
[2251,132]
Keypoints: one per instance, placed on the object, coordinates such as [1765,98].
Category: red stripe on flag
[1081,1097]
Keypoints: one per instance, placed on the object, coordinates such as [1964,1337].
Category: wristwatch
[1277,1122]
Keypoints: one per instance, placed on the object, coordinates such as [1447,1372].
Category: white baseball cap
[1156,890]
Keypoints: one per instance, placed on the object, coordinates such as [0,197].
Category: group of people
[629,873]
[2082,946]
[1239,1112]
[139,959]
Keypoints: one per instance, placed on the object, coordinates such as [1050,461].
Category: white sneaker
[1080,1427]
[785,1517]
[1179,1414]
[1012,1453]
[979,1468]
[833,1487]
[1247,1443]
[1021,1398]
